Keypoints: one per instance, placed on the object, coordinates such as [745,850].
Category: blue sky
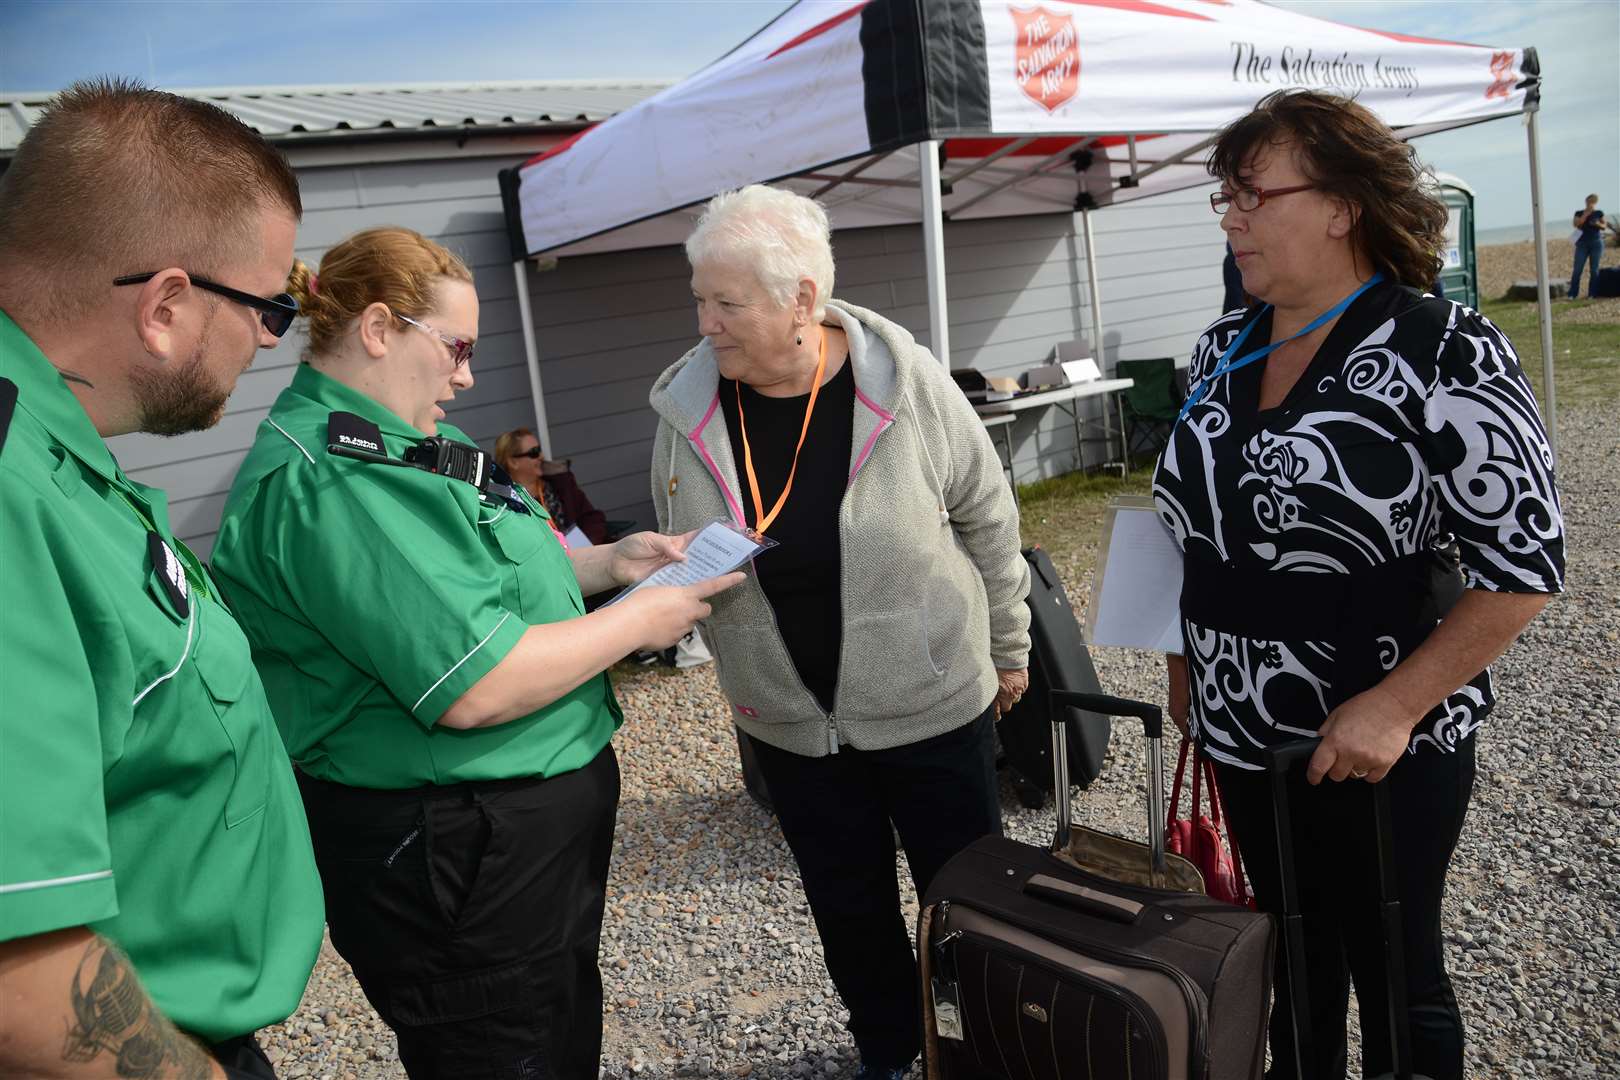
[46,44]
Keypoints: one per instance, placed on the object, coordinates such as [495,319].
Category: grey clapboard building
[427,157]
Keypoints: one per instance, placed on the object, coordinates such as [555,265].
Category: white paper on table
[576,539]
[718,549]
[1138,595]
[1081,371]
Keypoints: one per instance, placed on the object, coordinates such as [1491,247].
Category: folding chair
[1151,405]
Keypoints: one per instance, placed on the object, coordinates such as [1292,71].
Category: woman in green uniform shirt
[436,680]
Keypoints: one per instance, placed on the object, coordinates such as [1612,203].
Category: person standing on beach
[1588,246]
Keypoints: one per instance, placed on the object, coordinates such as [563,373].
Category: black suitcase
[753,781]
[1058,660]
[1279,760]
[1035,968]
[1608,282]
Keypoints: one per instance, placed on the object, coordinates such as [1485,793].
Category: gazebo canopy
[1041,107]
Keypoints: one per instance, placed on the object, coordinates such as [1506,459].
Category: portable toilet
[1459,274]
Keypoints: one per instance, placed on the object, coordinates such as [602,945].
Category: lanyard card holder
[711,534]
[718,548]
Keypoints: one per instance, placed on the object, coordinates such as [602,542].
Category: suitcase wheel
[1031,796]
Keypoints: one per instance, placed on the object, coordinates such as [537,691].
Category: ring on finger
[1358,774]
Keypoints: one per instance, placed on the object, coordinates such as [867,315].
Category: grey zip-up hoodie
[932,581]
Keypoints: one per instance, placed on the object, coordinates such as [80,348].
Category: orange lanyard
[762,520]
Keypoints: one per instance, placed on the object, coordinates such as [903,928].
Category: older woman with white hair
[871,651]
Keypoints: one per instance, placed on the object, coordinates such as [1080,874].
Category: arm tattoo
[113,1015]
[74,376]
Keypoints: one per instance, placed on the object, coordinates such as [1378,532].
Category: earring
[798,339]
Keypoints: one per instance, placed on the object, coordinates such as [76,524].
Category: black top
[1594,224]
[1413,420]
[800,578]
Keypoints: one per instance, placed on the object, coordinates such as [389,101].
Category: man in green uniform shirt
[158,896]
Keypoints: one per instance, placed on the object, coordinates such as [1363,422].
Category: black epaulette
[350,436]
[8,405]
[346,431]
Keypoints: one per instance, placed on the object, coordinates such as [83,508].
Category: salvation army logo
[1047,63]
[1501,75]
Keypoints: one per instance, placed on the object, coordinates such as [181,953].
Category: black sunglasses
[276,312]
[533,451]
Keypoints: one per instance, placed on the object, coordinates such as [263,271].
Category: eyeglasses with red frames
[1251,198]
[461,350]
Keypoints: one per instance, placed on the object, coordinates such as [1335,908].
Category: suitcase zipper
[1132,1003]
[1197,1008]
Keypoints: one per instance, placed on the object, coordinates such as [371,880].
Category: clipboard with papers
[718,548]
[1136,602]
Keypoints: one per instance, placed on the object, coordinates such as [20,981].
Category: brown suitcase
[1044,964]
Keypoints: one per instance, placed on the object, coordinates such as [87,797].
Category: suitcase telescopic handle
[1152,718]
[1280,761]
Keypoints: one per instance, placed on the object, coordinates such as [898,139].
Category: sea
[1517,234]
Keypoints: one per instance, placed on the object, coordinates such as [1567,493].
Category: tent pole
[933,223]
[1091,283]
[531,354]
[1549,404]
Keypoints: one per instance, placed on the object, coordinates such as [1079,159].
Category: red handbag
[1199,837]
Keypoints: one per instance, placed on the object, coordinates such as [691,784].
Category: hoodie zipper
[720,481]
[832,721]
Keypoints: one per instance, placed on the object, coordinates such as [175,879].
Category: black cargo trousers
[471,915]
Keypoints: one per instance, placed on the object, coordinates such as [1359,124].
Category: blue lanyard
[1228,364]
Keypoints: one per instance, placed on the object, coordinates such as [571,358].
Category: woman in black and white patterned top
[1311,490]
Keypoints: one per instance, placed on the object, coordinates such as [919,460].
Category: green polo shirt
[376,596]
[144,791]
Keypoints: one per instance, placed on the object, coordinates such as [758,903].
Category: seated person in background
[551,483]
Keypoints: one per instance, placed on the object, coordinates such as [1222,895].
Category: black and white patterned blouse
[1413,420]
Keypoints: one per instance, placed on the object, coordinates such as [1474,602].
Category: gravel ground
[712,964]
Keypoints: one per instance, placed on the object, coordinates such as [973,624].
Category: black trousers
[1338,878]
[242,1059]
[471,915]
[836,814]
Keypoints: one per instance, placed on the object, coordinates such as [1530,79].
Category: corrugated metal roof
[297,113]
